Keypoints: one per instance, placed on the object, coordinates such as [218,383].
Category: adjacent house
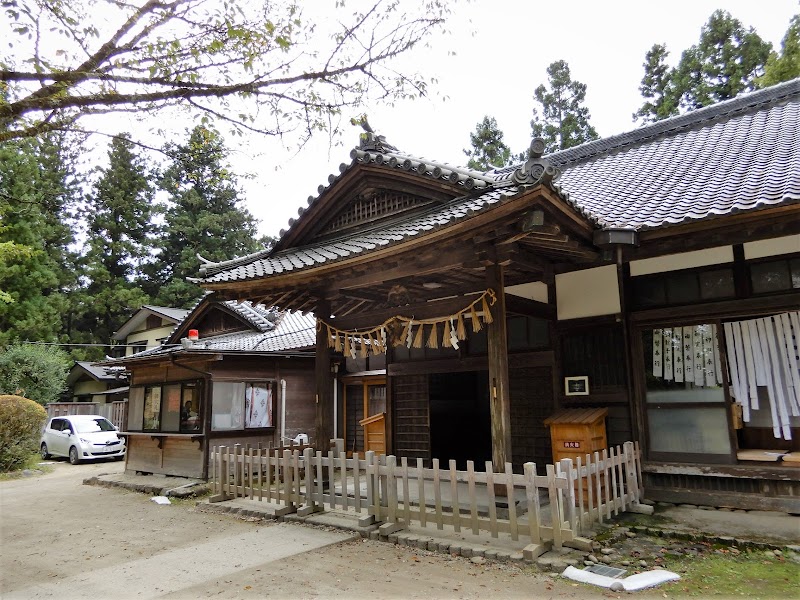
[228,373]
[147,328]
[87,382]
[655,274]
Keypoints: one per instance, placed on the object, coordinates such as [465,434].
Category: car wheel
[74,457]
[45,454]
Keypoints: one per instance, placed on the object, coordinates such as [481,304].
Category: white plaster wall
[148,336]
[685,260]
[773,247]
[536,290]
[588,293]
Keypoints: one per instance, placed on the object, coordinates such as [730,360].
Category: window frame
[640,384]
[198,383]
[273,386]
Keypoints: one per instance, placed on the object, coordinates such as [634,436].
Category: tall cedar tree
[38,192]
[204,217]
[727,60]
[656,87]
[488,148]
[564,122]
[785,66]
[120,232]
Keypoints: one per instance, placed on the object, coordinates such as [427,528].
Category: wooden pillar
[323,423]
[499,391]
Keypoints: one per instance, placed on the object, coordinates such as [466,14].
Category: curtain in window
[764,352]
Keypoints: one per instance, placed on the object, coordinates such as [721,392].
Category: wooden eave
[445,262]
[354,181]
[746,226]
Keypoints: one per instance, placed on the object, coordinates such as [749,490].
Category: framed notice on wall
[576,386]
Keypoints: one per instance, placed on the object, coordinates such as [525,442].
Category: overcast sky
[501,50]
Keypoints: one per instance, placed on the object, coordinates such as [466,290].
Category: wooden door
[374,422]
[365,414]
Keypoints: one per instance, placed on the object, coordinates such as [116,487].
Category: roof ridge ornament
[536,169]
[369,140]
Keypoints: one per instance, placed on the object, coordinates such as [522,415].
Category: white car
[81,437]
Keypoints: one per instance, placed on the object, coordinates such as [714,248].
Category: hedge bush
[21,423]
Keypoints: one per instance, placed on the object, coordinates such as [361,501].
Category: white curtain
[764,352]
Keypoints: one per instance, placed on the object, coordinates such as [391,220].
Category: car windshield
[85,426]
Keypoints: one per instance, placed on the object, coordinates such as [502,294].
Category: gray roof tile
[733,156]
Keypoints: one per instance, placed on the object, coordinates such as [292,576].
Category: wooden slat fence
[556,506]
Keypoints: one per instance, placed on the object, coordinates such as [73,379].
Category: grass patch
[32,464]
[750,575]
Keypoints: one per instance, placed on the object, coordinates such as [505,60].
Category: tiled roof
[292,332]
[737,155]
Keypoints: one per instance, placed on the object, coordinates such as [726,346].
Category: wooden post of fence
[356,483]
[490,493]
[555,509]
[406,499]
[532,493]
[473,506]
[599,487]
[214,481]
[630,476]
[454,494]
[611,461]
[437,494]
[621,479]
[569,497]
[589,489]
[220,470]
[638,459]
[421,485]
[318,471]
[308,465]
[512,504]
[343,469]
[391,482]
[288,478]
[579,482]
[373,507]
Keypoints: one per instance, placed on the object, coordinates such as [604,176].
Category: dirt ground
[60,538]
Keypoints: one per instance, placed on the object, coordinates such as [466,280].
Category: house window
[172,407]
[242,405]
[687,413]
[682,287]
[775,276]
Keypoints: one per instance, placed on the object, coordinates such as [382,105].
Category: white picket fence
[556,506]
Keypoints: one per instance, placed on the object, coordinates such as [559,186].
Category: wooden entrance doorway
[365,413]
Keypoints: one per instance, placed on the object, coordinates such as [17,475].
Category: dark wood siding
[531,403]
[354,412]
[412,436]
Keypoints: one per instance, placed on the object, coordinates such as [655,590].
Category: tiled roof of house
[737,155]
[291,331]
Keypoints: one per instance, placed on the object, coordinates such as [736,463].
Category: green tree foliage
[38,192]
[488,148]
[38,372]
[20,423]
[120,233]
[564,121]
[727,60]
[785,66]
[272,66]
[204,217]
[656,87]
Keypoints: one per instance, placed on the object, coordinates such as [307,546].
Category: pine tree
[656,87]
[38,192]
[488,148]
[564,122]
[724,63]
[204,217]
[120,232]
[787,65]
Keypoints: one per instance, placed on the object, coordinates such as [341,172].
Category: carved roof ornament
[371,141]
[536,169]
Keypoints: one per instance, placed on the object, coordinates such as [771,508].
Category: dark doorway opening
[460,420]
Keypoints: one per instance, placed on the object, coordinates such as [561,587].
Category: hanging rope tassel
[418,338]
[452,337]
[448,325]
[364,347]
[487,315]
[433,339]
[337,342]
[476,322]
[375,344]
[461,330]
[330,337]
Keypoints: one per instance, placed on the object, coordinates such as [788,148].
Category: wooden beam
[523,306]
[499,390]
[323,422]
[427,310]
